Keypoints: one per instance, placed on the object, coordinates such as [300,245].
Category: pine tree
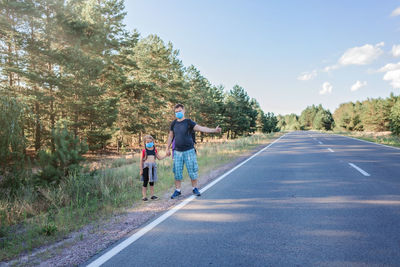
[395,118]
[323,120]
[160,76]
[205,102]
[238,112]
[63,161]
[270,123]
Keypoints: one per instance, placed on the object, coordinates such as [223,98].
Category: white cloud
[361,55]
[305,76]
[394,78]
[396,50]
[392,74]
[326,88]
[329,68]
[358,85]
[389,67]
[395,12]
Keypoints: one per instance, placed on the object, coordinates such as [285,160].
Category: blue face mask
[149,145]
[179,114]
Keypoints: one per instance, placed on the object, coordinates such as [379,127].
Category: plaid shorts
[188,158]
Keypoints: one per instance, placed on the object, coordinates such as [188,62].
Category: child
[148,166]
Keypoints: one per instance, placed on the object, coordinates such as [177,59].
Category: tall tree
[238,112]
[160,76]
[395,118]
[375,115]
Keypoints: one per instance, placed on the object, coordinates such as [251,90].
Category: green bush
[63,161]
[49,229]
[395,118]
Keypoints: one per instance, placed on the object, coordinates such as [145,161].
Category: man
[181,130]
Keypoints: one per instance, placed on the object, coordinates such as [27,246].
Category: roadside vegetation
[375,120]
[385,138]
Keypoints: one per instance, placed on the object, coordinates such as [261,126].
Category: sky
[286,54]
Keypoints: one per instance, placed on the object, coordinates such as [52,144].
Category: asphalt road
[298,203]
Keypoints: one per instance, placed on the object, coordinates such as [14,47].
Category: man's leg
[190,160]
[177,168]
[178,184]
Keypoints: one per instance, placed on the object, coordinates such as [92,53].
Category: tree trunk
[52,115]
[37,126]
[11,81]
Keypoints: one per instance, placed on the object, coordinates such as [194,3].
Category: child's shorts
[187,158]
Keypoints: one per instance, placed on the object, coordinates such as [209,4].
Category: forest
[74,80]
[371,115]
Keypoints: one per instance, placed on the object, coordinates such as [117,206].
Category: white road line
[359,169]
[320,143]
[105,257]
[331,150]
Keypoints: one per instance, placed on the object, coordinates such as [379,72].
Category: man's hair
[179,106]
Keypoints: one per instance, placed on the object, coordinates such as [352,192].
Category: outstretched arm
[206,129]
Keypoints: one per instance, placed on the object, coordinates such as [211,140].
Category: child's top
[149,152]
[151,164]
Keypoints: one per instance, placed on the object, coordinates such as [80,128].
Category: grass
[386,139]
[39,216]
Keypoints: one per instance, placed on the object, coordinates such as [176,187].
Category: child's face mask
[179,114]
[149,145]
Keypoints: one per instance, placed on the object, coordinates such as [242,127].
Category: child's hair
[145,138]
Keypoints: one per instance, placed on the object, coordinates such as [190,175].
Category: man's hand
[141,171]
[168,153]
[218,129]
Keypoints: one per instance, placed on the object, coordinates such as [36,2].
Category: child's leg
[145,182]
[152,188]
[144,191]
